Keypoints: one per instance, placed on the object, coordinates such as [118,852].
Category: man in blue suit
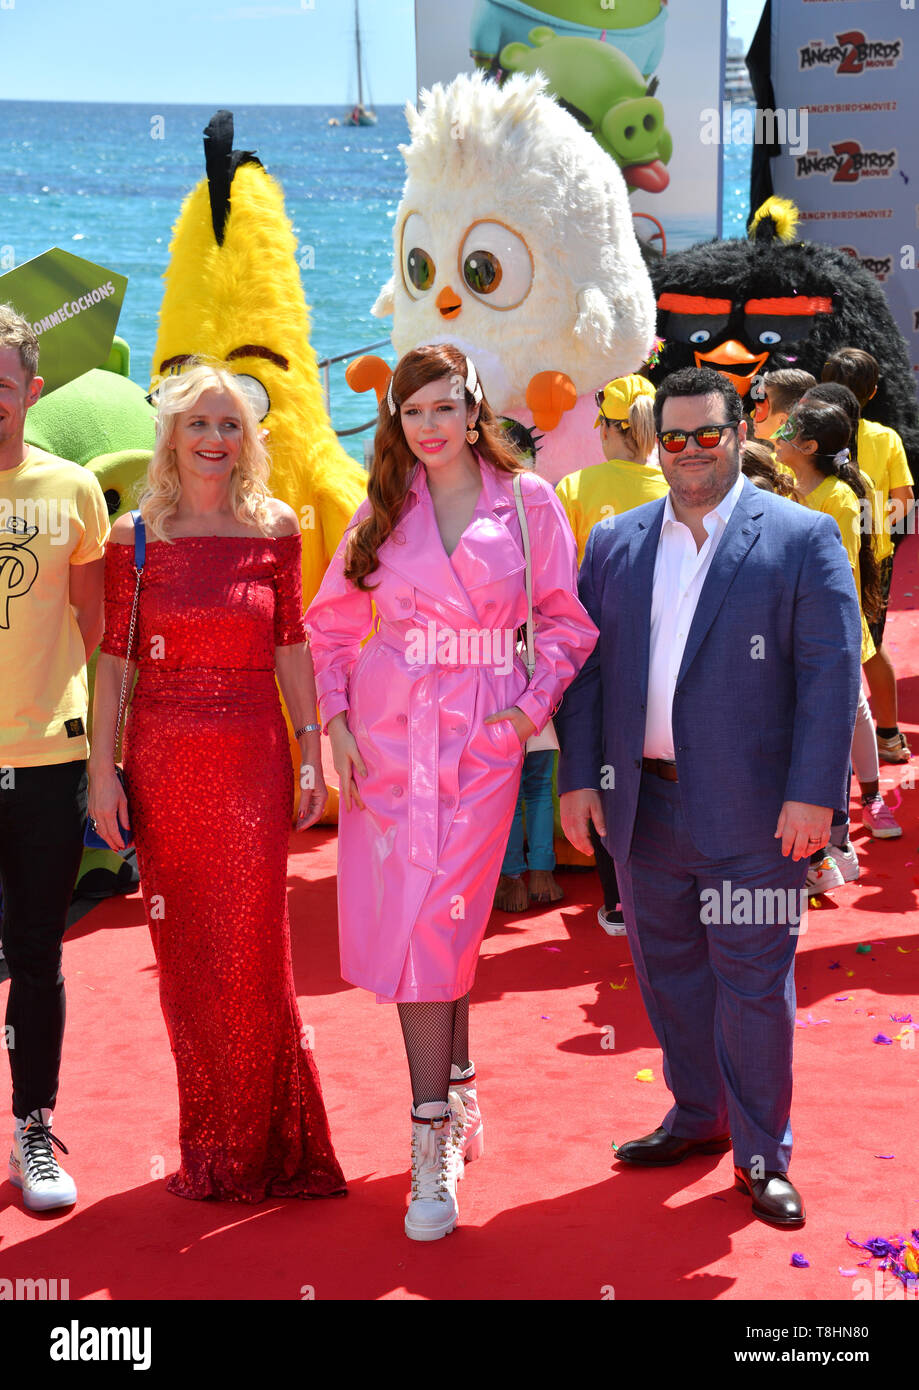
[707,738]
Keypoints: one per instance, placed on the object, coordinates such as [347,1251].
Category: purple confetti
[848,1273]
[834,965]
[885,1155]
[555,949]
[716,1198]
[891,1254]
[800,1261]
[883,1039]
[901,1018]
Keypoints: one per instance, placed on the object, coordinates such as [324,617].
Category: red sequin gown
[210,782]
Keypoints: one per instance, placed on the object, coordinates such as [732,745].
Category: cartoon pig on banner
[635,27]
[514,240]
[608,96]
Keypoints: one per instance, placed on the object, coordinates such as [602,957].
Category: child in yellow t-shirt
[626,478]
[814,443]
[881,455]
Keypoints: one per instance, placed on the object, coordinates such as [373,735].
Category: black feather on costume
[221,162]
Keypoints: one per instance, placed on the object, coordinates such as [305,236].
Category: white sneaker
[846,860]
[34,1167]
[432,1209]
[612,922]
[823,876]
[468,1128]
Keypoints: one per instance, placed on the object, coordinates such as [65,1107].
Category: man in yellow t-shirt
[881,455]
[53,528]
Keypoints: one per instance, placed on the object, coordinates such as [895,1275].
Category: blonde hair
[16,332]
[641,426]
[249,494]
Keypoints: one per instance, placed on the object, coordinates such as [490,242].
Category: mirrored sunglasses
[707,437]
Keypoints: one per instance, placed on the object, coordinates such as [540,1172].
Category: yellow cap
[619,395]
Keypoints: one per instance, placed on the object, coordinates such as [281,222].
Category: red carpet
[546,1214]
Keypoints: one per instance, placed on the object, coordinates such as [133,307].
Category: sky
[205,52]
[217,52]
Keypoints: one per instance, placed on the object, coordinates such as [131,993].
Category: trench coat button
[638,762]
[405,603]
[396,791]
[398,538]
[401,718]
[460,728]
[489,604]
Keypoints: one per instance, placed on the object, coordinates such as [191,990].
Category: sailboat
[359,115]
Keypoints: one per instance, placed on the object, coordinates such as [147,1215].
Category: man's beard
[707,493]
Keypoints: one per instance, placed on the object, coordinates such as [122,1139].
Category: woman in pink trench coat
[429,775]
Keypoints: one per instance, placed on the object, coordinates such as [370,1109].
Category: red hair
[393,461]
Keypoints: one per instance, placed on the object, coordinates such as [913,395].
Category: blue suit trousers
[714,959]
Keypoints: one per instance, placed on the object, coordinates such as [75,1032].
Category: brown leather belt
[661,768]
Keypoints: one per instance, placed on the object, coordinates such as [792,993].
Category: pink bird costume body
[417,868]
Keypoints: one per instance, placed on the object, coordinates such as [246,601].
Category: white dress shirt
[679,573]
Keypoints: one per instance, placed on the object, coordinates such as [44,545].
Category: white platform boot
[432,1210]
[34,1167]
[468,1128]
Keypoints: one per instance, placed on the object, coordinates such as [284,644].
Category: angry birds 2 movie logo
[852,54]
[878,266]
[847,162]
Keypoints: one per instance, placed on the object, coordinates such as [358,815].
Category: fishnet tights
[435,1035]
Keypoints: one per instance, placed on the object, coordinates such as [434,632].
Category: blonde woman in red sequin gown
[207,764]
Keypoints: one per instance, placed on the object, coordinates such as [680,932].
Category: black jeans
[42,815]
[606,869]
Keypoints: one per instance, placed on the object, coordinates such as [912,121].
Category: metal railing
[327,363]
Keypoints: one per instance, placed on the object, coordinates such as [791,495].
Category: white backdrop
[689,73]
[851,64]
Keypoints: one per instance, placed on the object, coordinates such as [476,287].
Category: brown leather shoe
[775,1200]
[660,1149]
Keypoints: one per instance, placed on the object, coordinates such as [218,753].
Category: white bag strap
[525,536]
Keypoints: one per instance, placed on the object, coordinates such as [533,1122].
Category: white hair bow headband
[472,386]
[842,458]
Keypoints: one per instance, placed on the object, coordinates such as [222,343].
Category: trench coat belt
[423,747]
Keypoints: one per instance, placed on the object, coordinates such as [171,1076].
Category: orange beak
[448,303]
[733,360]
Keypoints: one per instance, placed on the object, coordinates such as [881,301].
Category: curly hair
[393,461]
[249,494]
[758,463]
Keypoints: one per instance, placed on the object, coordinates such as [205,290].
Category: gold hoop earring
[472,436]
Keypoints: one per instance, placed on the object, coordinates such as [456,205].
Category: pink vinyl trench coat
[418,867]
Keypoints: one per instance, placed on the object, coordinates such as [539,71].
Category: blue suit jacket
[765,698]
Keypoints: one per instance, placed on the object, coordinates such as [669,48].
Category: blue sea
[91,179]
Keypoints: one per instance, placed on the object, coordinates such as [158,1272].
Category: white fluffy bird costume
[514,240]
